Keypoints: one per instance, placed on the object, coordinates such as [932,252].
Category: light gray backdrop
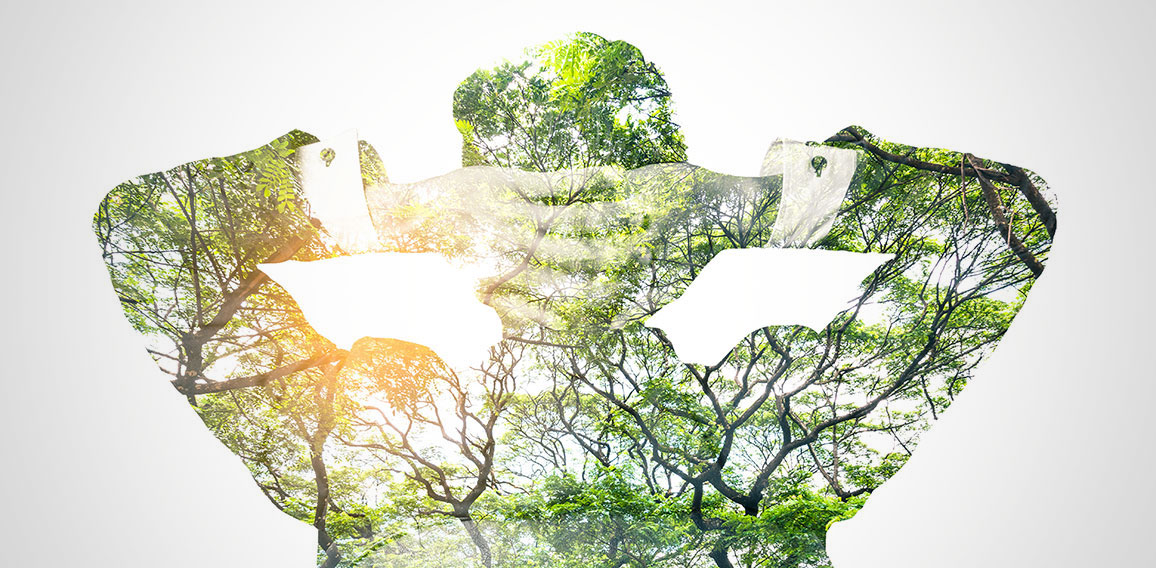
[1045,460]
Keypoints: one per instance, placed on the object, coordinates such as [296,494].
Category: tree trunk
[332,555]
[612,553]
[320,473]
[479,540]
[718,553]
[194,366]
[751,509]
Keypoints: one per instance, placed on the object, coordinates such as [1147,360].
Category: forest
[583,439]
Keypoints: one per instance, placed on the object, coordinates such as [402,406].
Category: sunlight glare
[415,297]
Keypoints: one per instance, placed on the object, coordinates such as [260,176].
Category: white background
[1045,460]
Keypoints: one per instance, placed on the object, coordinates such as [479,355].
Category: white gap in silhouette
[742,290]
[414,297]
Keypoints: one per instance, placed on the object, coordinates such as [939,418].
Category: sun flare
[415,297]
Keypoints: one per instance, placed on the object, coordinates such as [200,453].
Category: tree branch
[233,300]
[1001,222]
[258,380]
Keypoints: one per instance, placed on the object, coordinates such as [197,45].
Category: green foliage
[178,242]
[584,440]
[791,531]
[580,102]
[604,521]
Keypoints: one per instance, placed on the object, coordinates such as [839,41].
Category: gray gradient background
[1045,460]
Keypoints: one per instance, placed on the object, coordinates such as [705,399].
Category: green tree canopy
[583,440]
[574,103]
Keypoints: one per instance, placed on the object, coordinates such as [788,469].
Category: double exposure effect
[578,349]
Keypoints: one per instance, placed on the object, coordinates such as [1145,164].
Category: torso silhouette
[581,399]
